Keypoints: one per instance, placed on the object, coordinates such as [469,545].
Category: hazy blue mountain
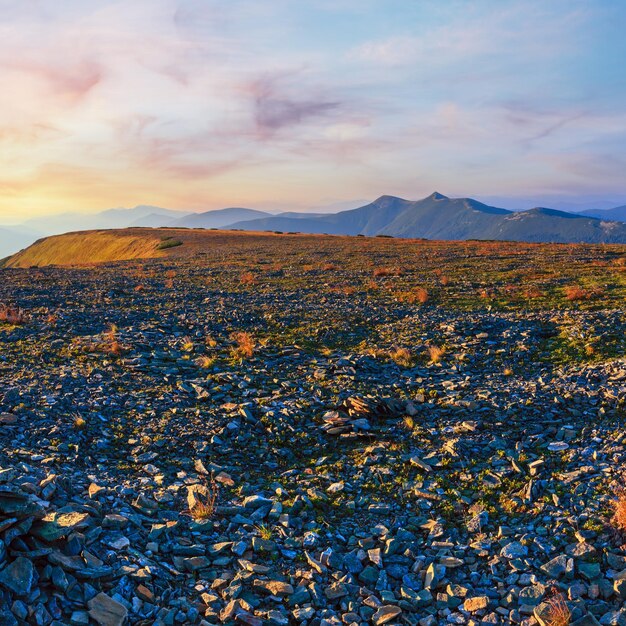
[218,218]
[13,239]
[440,217]
[110,218]
[316,225]
[617,213]
[366,220]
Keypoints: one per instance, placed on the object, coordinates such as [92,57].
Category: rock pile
[361,415]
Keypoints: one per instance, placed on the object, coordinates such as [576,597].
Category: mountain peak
[437,196]
[386,198]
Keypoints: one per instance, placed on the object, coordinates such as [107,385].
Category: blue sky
[199,104]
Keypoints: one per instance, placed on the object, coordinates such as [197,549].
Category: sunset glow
[199,104]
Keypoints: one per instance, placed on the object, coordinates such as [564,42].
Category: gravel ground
[228,440]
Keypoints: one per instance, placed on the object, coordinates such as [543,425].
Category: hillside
[89,247]
[440,217]
[541,224]
[108,246]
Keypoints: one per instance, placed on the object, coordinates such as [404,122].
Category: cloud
[274,109]
[184,97]
[73,80]
[527,30]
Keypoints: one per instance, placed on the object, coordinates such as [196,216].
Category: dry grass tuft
[247,278]
[557,613]
[13,315]
[381,272]
[435,353]
[575,293]
[619,509]
[202,500]
[206,362]
[409,422]
[111,343]
[244,345]
[265,532]
[401,356]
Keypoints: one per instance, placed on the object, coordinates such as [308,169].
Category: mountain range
[434,217]
[440,217]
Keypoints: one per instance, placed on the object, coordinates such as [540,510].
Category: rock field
[235,439]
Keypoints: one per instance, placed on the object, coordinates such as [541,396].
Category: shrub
[346,290]
[111,344]
[418,294]
[169,242]
[533,292]
[574,292]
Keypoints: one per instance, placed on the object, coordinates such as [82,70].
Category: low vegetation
[244,345]
[169,242]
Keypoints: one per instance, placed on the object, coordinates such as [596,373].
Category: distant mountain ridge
[218,218]
[440,217]
[617,213]
[434,217]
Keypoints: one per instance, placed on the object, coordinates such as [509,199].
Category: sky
[290,105]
